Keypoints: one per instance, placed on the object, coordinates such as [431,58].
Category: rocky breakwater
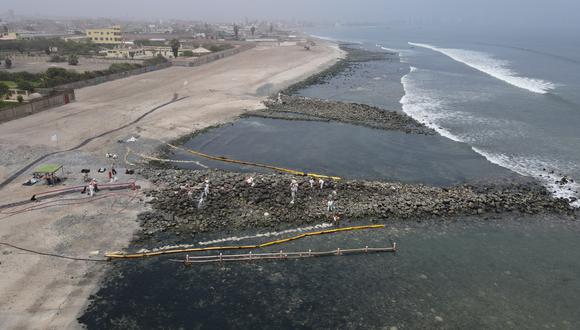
[304,108]
[353,58]
[234,202]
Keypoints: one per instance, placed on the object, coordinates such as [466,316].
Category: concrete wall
[38,105]
[195,61]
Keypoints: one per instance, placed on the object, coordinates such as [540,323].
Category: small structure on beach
[200,51]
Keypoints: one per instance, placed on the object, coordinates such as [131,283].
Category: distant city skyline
[516,13]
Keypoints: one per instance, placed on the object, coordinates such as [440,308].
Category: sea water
[514,98]
[501,272]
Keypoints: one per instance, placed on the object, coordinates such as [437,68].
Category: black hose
[51,254]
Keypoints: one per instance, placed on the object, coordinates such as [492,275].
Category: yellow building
[110,35]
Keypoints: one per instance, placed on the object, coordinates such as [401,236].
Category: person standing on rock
[206,189]
[331,201]
[293,190]
[311,181]
[330,205]
[321,183]
[201,200]
[279,101]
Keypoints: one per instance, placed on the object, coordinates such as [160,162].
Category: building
[13,94]
[200,51]
[126,53]
[9,36]
[110,35]
[150,51]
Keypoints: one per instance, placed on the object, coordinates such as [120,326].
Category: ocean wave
[424,108]
[539,169]
[434,112]
[492,66]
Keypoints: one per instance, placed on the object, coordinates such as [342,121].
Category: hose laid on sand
[46,254]
[241,162]
[122,255]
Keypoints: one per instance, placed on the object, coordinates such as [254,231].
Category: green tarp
[48,168]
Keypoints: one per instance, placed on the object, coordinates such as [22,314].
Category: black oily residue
[353,56]
[437,280]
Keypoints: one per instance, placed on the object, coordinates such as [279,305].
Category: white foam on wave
[538,169]
[492,66]
[422,107]
[387,49]
[433,111]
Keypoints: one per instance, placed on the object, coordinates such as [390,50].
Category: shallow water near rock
[343,150]
[465,274]
[506,272]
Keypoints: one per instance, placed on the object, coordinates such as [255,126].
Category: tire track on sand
[85,142]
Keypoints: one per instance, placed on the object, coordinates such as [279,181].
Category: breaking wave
[433,111]
[538,169]
[492,66]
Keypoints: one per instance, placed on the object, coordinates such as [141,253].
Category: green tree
[253,30]
[3,90]
[132,54]
[187,53]
[20,98]
[25,85]
[236,31]
[7,63]
[175,44]
[47,50]
[73,59]
[155,60]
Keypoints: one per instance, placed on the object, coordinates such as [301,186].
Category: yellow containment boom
[122,255]
[241,162]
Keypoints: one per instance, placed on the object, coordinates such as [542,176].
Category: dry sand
[45,293]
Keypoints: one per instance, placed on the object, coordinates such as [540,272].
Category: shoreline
[174,216]
[61,288]
[300,108]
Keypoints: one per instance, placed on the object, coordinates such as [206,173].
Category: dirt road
[44,293]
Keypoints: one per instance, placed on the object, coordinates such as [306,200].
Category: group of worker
[204,190]
[92,186]
[330,201]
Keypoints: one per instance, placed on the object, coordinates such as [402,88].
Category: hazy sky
[504,12]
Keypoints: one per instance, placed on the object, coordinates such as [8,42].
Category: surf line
[493,67]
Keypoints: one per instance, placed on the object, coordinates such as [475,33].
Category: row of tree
[59,76]
[49,45]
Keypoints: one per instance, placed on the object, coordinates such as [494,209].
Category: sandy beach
[47,293]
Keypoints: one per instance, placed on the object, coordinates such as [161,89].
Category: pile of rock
[353,113]
[354,56]
[234,202]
